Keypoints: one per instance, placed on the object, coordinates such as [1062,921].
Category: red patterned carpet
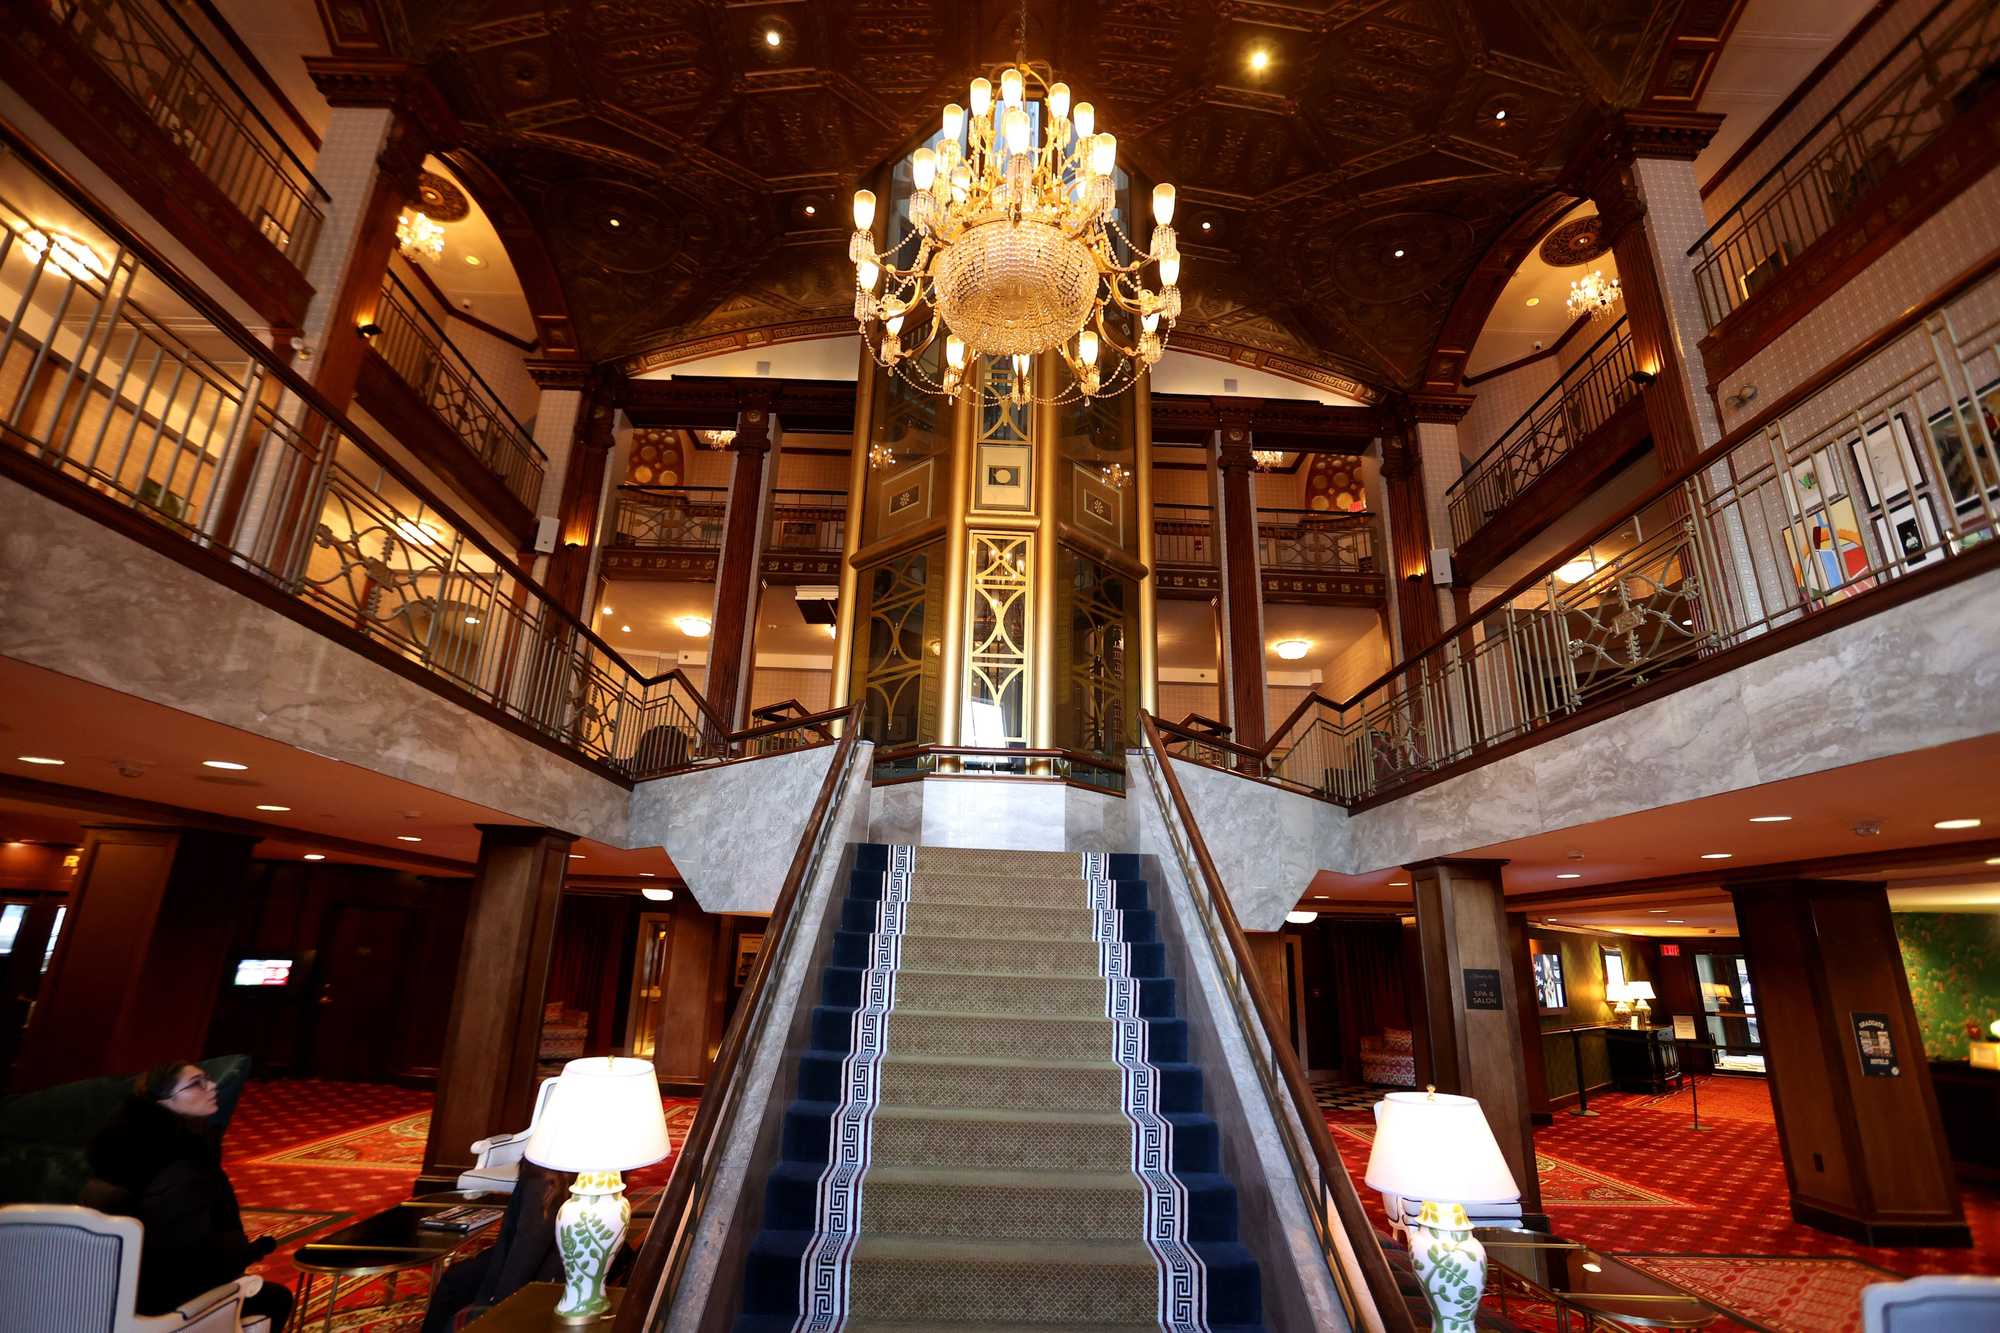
[1707,1210]
[307,1156]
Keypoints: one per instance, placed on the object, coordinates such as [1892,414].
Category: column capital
[1444,409]
[559,372]
[1464,865]
[522,834]
[424,121]
[756,426]
[1398,459]
[1602,169]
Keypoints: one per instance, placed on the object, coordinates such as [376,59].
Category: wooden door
[360,983]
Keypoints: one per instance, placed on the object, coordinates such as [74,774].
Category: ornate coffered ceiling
[690,178]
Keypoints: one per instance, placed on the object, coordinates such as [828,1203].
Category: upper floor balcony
[130,83]
[676,531]
[431,394]
[1305,552]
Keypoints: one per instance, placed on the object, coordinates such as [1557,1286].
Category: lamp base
[1451,1264]
[589,1229]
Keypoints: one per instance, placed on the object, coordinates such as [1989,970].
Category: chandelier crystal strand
[1594,295]
[418,237]
[1017,253]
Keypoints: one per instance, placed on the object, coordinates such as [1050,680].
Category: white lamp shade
[1617,992]
[1639,990]
[603,1114]
[1438,1148]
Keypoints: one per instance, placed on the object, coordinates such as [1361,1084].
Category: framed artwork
[1099,507]
[1003,477]
[1885,462]
[1817,480]
[1614,969]
[906,497]
[748,946]
[1549,993]
[1968,464]
[1909,534]
[1825,549]
[1765,269]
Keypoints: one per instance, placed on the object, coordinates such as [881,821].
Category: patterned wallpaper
[1953,962]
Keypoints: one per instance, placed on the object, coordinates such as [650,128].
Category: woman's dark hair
[159,1083]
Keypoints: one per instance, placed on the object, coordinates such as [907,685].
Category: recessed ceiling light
[1770,819]
[1588,1268]
[657,895]
[228,764]
[1551,918]
[1502,115]
[474,261]
[1569,874]
[1207,226]
[605,611]
[1260,59]
[1534,301]
[41,759]
[1659,911]
[695,627]
[812,210]
[624,629]
[408,837]
[1993,860]
[1716,856]
[1956,824]
[315,856]
[1291,649]
[773,38]
[1399,254]
[645,874]
[614,222]
[472,620]
[275,809]
[1301,918]
[576,856]
[1394,884]
[1675,921]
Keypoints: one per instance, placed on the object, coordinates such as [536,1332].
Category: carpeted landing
[996,1125]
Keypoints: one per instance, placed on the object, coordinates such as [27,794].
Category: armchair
[67,1269]
[497,1164]
[1931,1305]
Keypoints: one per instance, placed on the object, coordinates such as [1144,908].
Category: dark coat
[166,1171]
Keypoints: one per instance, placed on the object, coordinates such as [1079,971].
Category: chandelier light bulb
[1104,154]
[980,99]
[1163,204]
[923,168]
[1086,347]
[864,209]
[868,272]
[1022,364]
[1059,101]
[1085,120]
[954,121]
[1010,87]
[954,352]
[894,324]
[1016,121]
[1170,272]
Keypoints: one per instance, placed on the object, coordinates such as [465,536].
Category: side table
[532,1309]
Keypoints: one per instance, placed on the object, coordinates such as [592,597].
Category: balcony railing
[1305,539]
[1881,467]
[1578,403]
[808,521]
[149,50]
[681,517]
[1940,70]
[123,376]
[424,358]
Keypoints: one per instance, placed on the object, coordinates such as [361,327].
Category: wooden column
[143,956]
[680,1047]
[1409,538]
[738,581]
[1472,1027]
[1865,1152]
[1528,1015]
[577,513]
[486,1078]
[1242,576]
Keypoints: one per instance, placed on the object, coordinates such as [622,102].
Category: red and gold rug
[1565,1184]
[1778,1293]
[285,1225]
[392,1145]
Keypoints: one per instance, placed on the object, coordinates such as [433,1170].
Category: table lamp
[1638,993]
[603,1117]
[1620,1002]
[1438,1149]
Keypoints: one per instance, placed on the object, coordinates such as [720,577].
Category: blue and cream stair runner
[997,1126]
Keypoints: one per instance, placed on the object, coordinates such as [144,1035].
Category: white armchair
[498,1163]
[66,1269]
[1931,1305]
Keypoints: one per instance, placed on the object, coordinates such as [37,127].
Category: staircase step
[987,890]
[988,861]
[965,953]
[986,1281]
[998,1084]
[1058,1207]
[989,1140]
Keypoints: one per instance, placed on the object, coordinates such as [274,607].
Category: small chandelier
[1115,475]
[419,238]
[1267,460]
[1017,253]
[1594,295]
[718,439]
[881,456]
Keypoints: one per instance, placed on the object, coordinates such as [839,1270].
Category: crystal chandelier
[419,238]
[1267,460]
[718,439]
[1017,253]
[1594,295]
[881,456]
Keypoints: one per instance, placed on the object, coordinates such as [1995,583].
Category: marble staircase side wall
[79,599]
[1915,676]
[732,829]
[1267,843]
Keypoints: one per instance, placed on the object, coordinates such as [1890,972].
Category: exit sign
[1670,951]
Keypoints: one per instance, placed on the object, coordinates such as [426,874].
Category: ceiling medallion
[419,238]
[441,200]
[1593,295]
[1017,253]
[1575,243]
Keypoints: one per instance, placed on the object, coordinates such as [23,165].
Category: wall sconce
[369,329]
[1745,394]
[1643,378]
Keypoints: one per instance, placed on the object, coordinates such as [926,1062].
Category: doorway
[360,984]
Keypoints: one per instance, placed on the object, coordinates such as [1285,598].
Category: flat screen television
[263,971]
[1549,994]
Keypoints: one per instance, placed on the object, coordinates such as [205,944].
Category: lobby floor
[1705,1210]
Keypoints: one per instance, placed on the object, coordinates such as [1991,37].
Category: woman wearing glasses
[163,1160]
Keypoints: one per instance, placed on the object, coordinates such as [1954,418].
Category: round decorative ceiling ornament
[441,200]
[1575,243]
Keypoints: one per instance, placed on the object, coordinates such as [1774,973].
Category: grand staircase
[996,1124]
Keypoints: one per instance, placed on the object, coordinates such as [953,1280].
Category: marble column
[1472,1024]
[142,956]
[486,1078]
[1864,1146]
[1242,577]
[738,578]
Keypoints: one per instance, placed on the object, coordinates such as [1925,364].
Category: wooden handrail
[673,1217]
[1353,1218]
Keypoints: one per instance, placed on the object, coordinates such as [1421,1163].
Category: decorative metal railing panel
[425,359]
[1885,463]
[169,408]
[1938,71]
[1586,396]
[151,52]
[1306,539]
[1184,535]
[682,517]
[808,521]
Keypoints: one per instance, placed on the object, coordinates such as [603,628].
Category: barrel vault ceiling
[690,178]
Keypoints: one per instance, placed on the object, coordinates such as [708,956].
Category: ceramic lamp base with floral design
[1451,1265]
[589,1229]
[602,1117]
